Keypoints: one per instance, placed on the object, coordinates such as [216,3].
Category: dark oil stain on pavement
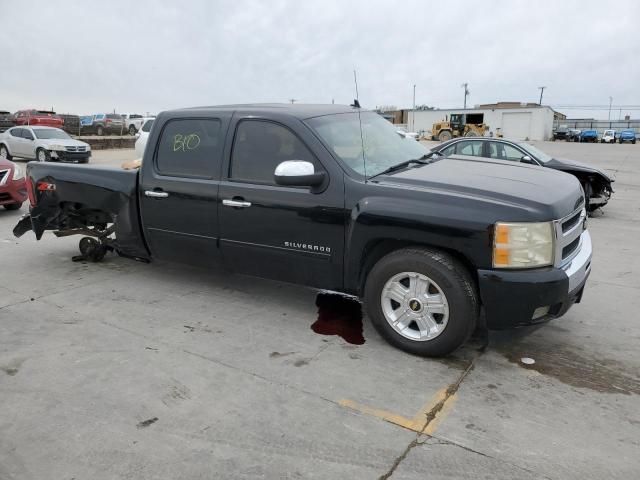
[146,423]
[339,315]
[574,367]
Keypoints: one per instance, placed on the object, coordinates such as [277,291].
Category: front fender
[455,226]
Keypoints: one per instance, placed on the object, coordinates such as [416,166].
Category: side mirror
[527,159]
[298,173]
[401,133]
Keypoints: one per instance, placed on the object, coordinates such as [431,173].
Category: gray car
[43,144]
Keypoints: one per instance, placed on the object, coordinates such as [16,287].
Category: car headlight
[57,147]
[523,245]
[17,173]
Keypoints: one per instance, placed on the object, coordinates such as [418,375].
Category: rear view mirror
[298,173]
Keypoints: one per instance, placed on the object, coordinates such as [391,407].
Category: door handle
[236,203]
[154,194]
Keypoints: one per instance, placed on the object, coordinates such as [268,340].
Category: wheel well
[376,249]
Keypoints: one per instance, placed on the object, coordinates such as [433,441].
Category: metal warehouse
[508,119]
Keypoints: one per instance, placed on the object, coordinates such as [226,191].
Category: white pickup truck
[133,122]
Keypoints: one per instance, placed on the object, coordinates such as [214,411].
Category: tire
[132,130]
[633,141]
[4,152]
[42,155]
[438,274]
[470,133]
[445,135]
[84,160]
[91,249]
[13,206]
[99,131]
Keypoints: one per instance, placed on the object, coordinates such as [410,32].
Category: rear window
[135,115]
[147,126]
[45,112]
[114,116]
[190,148]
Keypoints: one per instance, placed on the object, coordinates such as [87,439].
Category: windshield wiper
[393,168]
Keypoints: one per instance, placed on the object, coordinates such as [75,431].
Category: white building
[510,119]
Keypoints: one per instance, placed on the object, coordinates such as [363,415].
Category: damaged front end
[96,202]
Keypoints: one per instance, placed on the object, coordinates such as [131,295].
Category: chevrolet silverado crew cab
[332,197]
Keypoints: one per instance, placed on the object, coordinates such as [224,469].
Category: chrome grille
[568,231]
[71,149]
[76,149]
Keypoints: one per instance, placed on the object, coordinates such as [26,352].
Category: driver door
[292,234]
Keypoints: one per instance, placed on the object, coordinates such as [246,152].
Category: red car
[38,117]
[13,189]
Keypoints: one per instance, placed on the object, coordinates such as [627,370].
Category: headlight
[523,245]
[17,173]
[57,147]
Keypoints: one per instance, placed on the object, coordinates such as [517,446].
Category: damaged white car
[44,144]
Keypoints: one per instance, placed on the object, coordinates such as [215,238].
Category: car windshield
[114,116]
[147,126]
[539,154]
[49,133]
[383,146]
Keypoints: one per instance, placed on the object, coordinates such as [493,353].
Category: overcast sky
[86,56]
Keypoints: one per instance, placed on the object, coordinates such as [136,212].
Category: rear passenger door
[292,234]
[179,189]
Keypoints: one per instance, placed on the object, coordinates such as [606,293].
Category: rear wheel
[13,206]
[470,133]
[92,249]
[132,130]
[422,301]
[444,136]
[4,152]
[100,131]
[42,155]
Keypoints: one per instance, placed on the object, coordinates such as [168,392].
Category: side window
[448,151]
[502,151]
[147,126]
[259,147]
[26,133]
[190,148]
[470,147]
[16,132]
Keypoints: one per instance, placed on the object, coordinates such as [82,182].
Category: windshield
[539,154]
[147,126]
[47,133]
[383,146]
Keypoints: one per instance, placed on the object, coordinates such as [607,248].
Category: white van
[609,136]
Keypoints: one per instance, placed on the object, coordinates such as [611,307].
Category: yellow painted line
[419,421]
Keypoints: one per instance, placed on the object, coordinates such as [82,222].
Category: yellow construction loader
[459,125]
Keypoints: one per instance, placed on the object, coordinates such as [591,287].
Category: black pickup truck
[332,197]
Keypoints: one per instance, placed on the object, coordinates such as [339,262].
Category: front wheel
[444,136]
[132,130]
[42,155]
[100,131]
[13,206]
[422,301]
[4,152]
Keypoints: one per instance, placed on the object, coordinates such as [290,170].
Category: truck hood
[550,194]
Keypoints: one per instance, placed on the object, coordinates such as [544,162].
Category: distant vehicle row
[97,124]
[591,135]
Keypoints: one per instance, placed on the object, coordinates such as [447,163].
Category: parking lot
[122,369]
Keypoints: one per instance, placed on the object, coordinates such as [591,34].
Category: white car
[404,133]
[43,144]
[609,136]
[142,136]
[133,122]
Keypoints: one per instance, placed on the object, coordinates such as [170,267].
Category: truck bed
[70,198]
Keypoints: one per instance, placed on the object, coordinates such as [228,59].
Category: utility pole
[610,102]
[541,92]
[413,113]
[292,100]
[466,92]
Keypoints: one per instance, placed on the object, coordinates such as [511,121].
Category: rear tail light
[31,193]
